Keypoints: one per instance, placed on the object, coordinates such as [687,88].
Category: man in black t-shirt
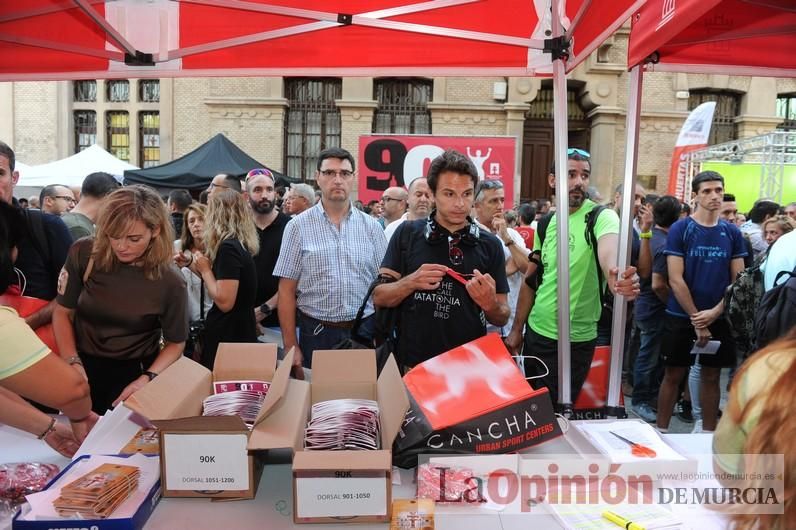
[43,249]
[261,194]
[447,275]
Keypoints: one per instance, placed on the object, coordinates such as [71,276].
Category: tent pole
[561,142]
[628,198]
[112,33]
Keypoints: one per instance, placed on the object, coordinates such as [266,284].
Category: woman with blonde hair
[119,293]
[776,227]
[199,300]
[757,426]
[227,269]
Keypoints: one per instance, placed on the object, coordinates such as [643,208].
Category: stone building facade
[39,118]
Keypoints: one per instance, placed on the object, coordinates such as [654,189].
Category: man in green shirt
[539,310]
[95,187]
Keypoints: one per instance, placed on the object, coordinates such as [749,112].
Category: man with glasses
[393,204]
[445,273]
[537,313]
[419,205]
[329,256]
[224,181]
[42,253]
[56,199]
[489,206]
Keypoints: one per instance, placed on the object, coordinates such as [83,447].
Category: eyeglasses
[388,199]
[576,151]
[455,254]
[64,197]
[331,173]
[214,185]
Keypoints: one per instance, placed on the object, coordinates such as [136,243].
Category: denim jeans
[648,370]
[313,335]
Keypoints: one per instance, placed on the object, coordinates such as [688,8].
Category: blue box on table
[136,522]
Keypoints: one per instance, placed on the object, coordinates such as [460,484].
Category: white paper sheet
[599,433]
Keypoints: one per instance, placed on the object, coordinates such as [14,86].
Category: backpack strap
[591,240]
[541,226]
[89,268]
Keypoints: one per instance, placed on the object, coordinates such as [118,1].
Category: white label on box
[206,462]
[341,497]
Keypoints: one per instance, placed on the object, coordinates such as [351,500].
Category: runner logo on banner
[389,160]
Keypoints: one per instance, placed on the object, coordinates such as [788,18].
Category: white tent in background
[72,170]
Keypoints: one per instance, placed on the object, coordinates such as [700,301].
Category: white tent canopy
[72,170]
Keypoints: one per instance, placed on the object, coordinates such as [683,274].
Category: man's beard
[262,207]
[577,197]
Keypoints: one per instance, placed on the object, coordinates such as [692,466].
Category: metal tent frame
[772,151]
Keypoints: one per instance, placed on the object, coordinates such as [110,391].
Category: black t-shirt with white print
[433,322]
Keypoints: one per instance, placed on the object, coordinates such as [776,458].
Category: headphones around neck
[434,233]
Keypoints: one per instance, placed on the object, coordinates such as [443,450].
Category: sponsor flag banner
[693,136]
[473,399]
[393,160]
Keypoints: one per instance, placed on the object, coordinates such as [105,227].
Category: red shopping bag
[472,399]
[594,394]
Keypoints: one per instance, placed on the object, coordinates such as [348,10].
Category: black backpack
[776,314]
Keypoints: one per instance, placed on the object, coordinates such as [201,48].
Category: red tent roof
[62,39]
[742,37]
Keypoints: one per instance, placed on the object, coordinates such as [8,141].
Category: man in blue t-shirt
[650,310]
[704,254]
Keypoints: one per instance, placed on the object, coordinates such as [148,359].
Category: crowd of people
[133,280]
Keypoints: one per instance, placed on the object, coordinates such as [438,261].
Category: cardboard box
[350,486]
[136,522]
[213,456]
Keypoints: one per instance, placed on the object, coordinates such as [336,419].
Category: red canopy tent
[741,37]
[80,39]
[69,39]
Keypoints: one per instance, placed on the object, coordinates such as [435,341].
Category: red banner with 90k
[392,160]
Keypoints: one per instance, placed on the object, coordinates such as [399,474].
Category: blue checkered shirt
[334,267]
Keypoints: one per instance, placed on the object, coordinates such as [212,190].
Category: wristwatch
[150,375]
[266,310]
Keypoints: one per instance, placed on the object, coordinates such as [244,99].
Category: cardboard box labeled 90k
[350,486]
[212,456]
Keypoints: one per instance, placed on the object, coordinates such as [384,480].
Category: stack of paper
[598,433]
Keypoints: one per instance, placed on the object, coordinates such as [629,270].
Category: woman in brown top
[118,294]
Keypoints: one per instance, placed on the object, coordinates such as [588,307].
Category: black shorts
[581,354]
[678,341]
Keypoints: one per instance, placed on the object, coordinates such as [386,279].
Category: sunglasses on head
[259,171]
[576,151]
[489,184]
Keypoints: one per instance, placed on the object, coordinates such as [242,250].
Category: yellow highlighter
[621,521]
